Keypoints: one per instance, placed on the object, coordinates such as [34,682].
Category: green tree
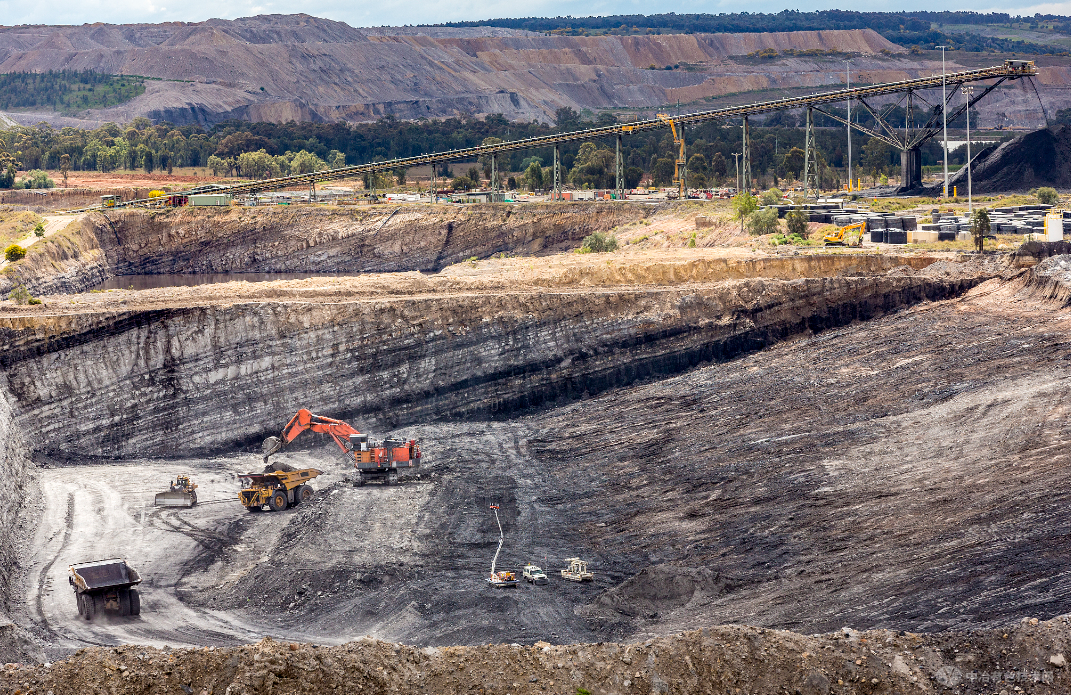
[876,157]
[65,167]
[662,172]
[598,242]
[980,226]
[797,220]
[793,162]
[697,164]
[533,176]
[1047,196]
[771,197]
[718,167]
[763,222]
[743,205]
[306,163]
[257,165]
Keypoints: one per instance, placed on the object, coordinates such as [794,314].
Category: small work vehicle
[534,574]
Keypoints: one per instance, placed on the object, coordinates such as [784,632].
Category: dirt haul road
[107,511]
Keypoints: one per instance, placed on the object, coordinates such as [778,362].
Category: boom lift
[680,163]
[372,460]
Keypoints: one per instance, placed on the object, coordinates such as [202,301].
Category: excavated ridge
[119,381]
[715,660]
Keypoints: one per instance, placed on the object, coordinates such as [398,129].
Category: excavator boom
[305,420]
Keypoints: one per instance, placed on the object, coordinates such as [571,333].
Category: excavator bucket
[176,498]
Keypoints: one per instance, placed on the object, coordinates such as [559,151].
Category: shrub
[771,197]
[21,295]
[598,243]
[796,220]
[763,222]
[744,204]
[1047,196]
[36,179]
[14,253]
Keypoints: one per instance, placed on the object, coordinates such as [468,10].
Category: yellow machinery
[183,493]
[846,235]
[108,201]
[678,166]
[278,489]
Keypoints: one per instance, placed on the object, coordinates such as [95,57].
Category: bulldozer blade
[175,499]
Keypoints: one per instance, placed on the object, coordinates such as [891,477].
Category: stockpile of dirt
[1029,659]
[1040,158]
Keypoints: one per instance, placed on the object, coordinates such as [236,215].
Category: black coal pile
[1040,158]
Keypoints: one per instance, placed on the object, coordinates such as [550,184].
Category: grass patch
[16,226]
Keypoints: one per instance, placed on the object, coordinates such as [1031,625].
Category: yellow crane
[678,166]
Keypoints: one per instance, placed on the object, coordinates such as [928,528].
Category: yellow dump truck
[105,585]
[278,489]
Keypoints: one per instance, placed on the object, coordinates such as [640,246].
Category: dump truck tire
[135,602]
[302,493]
[124,602]
[81,604]
[277,501]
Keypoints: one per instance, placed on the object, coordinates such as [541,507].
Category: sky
[402,12]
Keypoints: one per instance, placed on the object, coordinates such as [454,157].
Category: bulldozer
[183,493]
[848,235]
[278,489]
[372,460]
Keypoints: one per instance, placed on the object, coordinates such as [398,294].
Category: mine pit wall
[207,379]
[67,262]
[339,240]
[283,239]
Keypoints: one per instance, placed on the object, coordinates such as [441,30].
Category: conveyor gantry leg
[620,170]
[746,155]
[810,159]
[557,194]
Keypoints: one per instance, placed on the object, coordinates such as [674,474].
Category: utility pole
[967,92]
[944,113]
[848,79]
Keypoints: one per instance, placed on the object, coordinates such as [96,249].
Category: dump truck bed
[104,574]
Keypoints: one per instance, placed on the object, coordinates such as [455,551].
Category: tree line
[915,28]
[67,91]
[261,150]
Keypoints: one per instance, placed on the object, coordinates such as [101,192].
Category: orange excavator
[372,460]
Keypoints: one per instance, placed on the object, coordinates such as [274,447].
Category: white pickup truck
[534,574]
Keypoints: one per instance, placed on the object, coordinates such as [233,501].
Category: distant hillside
[277,68]
[959,30]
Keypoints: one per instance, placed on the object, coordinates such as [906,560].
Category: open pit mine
[818,472]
